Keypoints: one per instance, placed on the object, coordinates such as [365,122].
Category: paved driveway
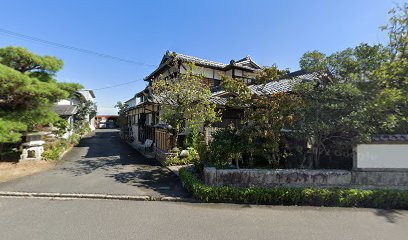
[103,163]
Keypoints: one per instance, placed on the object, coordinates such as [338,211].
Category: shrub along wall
[340,197]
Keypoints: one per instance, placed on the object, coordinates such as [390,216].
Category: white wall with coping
[381,156]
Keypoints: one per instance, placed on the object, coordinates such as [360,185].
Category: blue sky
[271,32]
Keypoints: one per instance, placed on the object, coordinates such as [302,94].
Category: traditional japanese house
[143,113]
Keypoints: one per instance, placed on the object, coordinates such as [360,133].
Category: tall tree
[28,91]
[24,61]
[265,113]
[360,91]
[187,100]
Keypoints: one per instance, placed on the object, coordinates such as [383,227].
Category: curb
[93,196]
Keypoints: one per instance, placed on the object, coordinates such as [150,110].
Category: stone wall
[303,177]
[276,177]
[380,178]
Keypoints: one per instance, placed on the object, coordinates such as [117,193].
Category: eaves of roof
[169,56]
[65,110]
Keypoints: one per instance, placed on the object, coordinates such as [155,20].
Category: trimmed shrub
[333,197]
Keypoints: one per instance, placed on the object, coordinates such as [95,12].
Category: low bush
[334,197]
[177,160]
[54,150]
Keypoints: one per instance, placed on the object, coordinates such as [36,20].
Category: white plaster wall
[64,102]
[208,72]
[382,156]
[217,74]
[238,73]
[182,69]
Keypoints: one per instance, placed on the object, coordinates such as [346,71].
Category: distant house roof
[220,101]
[88,94]
[65,110]
[245,63]
[107,116]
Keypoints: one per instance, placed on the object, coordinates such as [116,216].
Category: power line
[81,50]
[117,85]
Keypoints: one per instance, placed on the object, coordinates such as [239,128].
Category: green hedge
[338,197]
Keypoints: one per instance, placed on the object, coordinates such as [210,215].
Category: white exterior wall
[381,156]
[208,72]
[217,74]
[132,102]
[182,69]
[70,122]
[64,102]
[238,73]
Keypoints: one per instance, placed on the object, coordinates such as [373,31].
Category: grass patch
[302,196]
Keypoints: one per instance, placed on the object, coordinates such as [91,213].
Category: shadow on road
[391,215]
[109,156]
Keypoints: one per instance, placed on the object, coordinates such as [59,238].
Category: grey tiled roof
[244,63]
[65,110]
[163,100]
[283,85]
[200,60]
[390,138]
[159,99]
[218,100]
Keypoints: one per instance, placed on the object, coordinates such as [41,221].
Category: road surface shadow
[111,157]
[390,215]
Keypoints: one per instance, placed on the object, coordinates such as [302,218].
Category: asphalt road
[104,164]
[112,219]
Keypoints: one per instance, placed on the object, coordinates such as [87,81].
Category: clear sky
[278,31]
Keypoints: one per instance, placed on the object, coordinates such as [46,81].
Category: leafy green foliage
[176,160]
[188,100]
[54,150]
[10,131]
[69,87]
[24,61]
[26,102]
[334,197]
[227,145]
[360,92]
[28,91]
[122,113]
[265,115]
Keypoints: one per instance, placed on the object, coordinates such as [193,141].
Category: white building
[68,108]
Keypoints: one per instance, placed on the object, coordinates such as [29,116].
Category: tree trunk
[1,151]
[316,158]
[250,160]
